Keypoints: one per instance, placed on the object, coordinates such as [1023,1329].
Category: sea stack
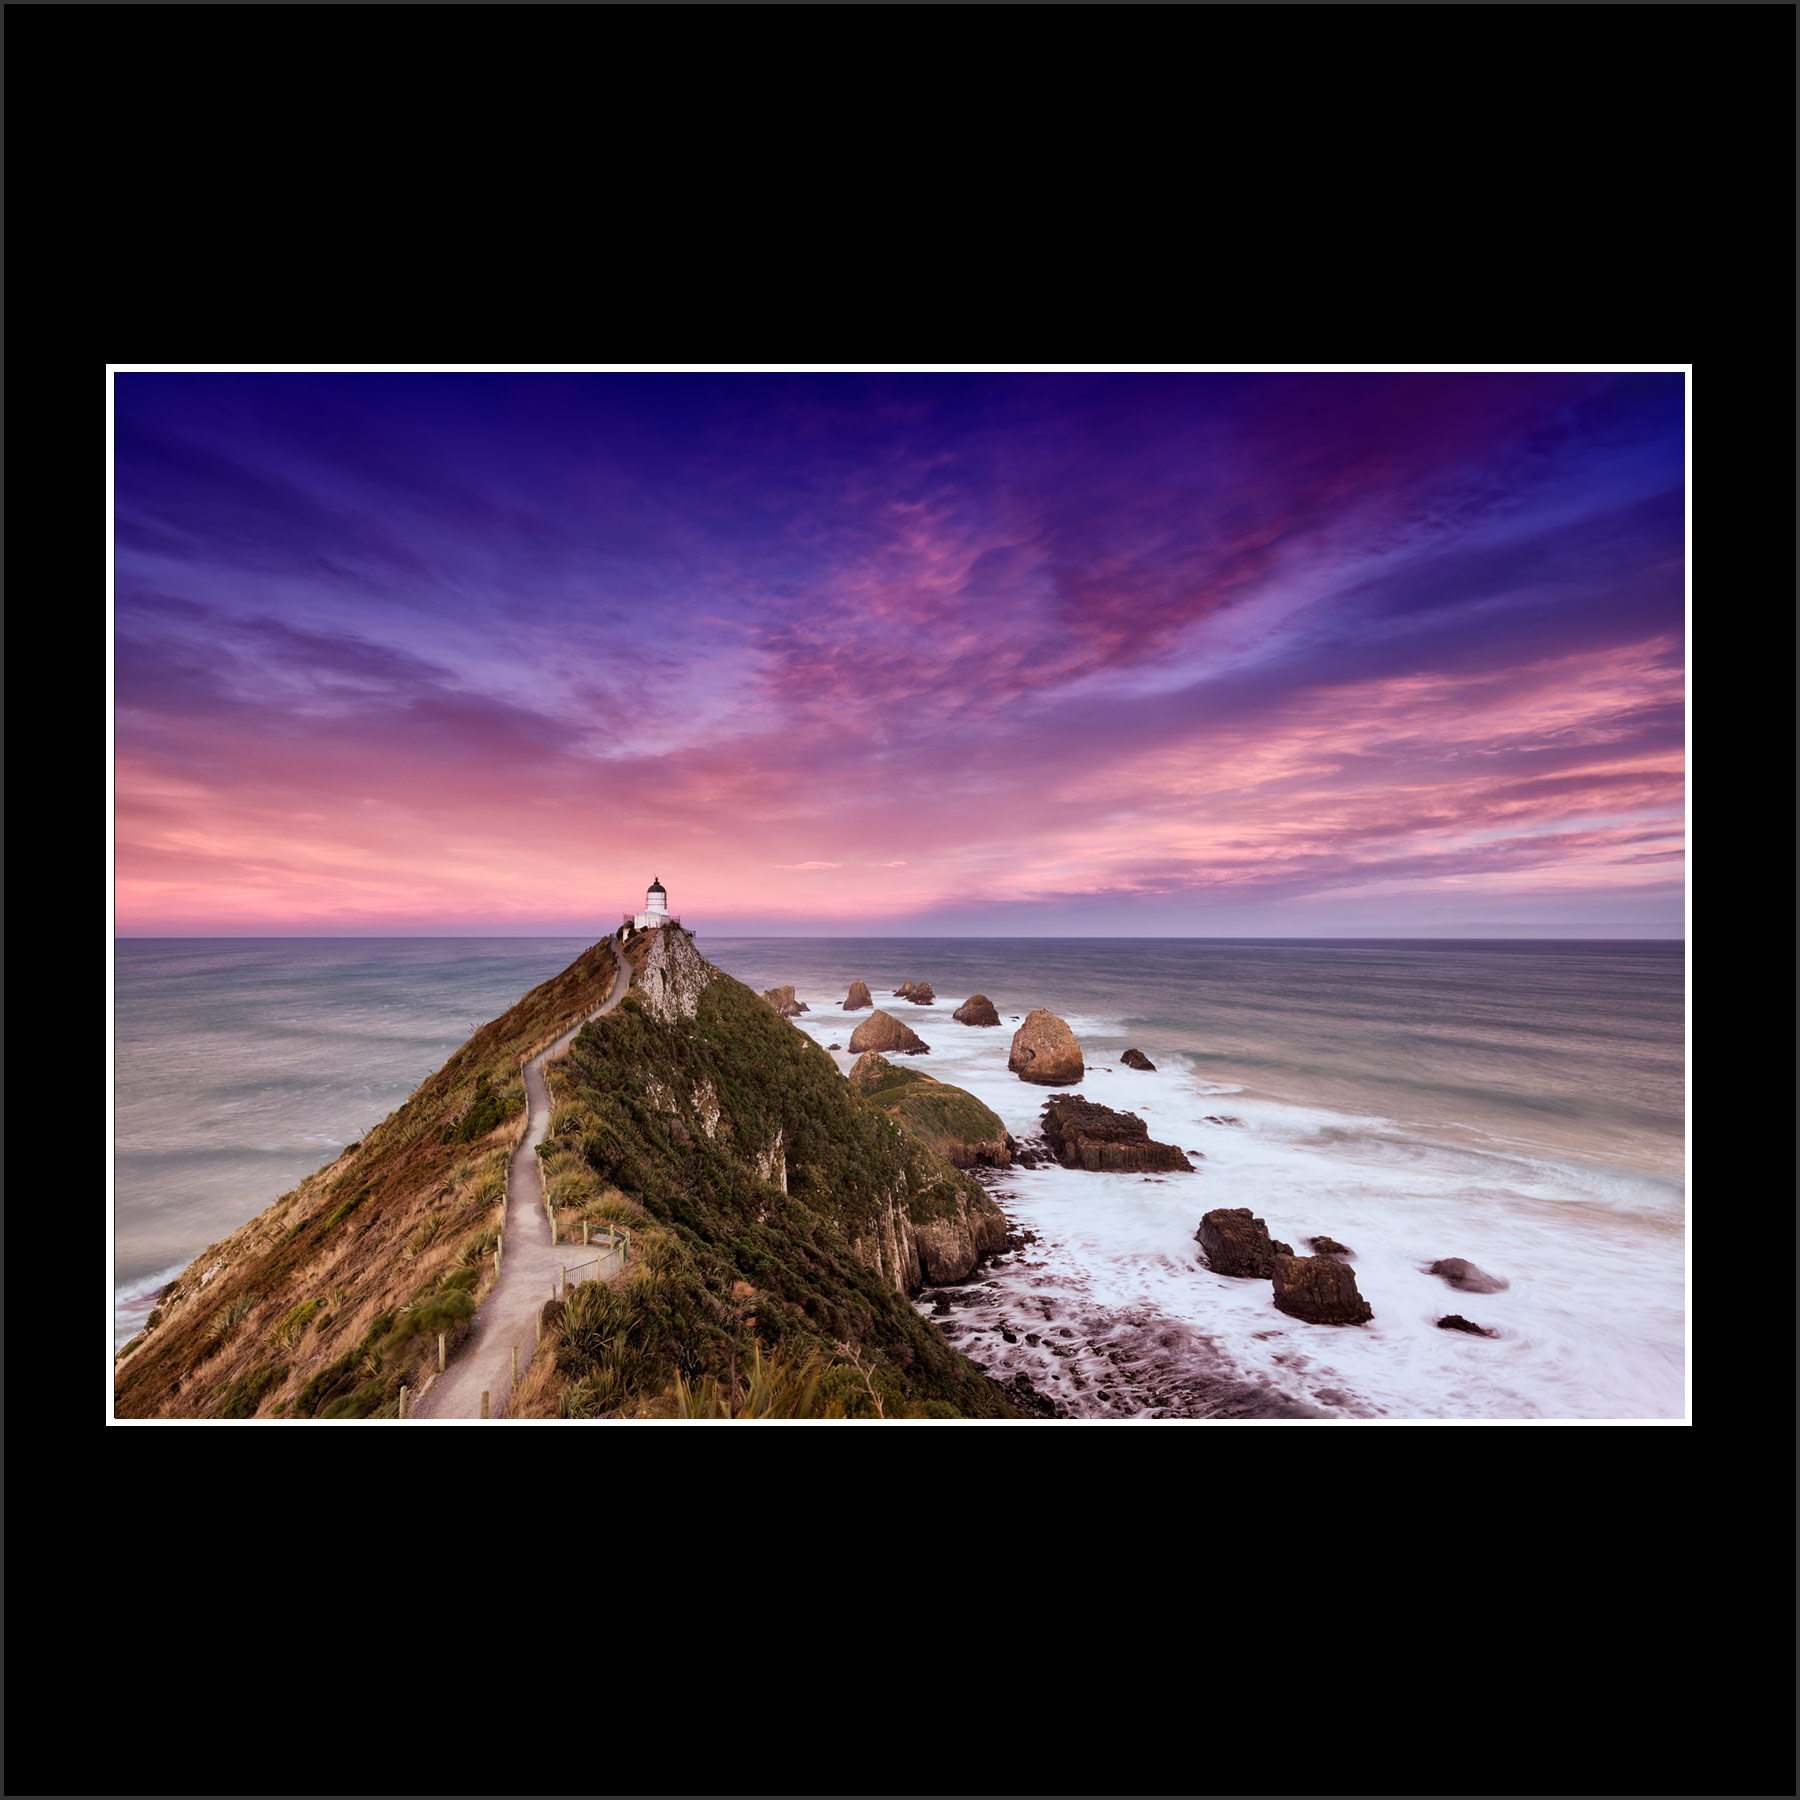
[1044,1050]
[978,1009]
[859,997]
[783,1001]
[881,1031]
[1319,1289]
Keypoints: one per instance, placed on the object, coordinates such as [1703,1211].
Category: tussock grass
[293,1326]
[429,1227]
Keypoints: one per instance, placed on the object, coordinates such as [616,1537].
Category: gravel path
[531,1267]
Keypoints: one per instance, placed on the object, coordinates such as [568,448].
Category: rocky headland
[776,1211]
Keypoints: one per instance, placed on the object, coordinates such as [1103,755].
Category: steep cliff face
[669,972]
[735,1135]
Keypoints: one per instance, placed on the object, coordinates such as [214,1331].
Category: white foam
[1591,1325]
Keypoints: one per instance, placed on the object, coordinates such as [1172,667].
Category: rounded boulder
[1044,1050]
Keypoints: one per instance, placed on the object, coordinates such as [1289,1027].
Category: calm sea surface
[1517,1104]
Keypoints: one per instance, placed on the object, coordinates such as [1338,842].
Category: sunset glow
[1288,655]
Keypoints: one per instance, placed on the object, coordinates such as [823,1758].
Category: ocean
[1517,1104]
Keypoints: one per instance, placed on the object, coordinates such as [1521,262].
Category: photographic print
[1062,897]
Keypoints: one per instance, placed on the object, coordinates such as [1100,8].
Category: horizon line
[1083,937]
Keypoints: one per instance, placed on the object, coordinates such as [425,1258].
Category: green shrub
[239,1399]
[289,1330]
[487,1112]
[322,1386]
[343,1212]
[154,1320]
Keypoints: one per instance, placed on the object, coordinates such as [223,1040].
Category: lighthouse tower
[656,907]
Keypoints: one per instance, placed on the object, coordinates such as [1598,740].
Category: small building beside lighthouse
[656,908]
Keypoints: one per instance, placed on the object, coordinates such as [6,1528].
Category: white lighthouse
[656,907]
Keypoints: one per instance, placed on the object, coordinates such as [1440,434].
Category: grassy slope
[940,1116]
[674,1129]
[363,1264]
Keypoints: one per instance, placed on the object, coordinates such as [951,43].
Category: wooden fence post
[402,1400]
[484,1410]
[584,1226]
[537,1328]
[440,1353]
[515,1365]
[565,1278]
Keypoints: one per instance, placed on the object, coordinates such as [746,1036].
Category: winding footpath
[531,1267]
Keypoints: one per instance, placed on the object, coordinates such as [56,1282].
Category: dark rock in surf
[1238,1244]
[1084,1135]
[1319,1289]
[978,1009]
[1136,1059]
[1456,1322]
[1466,1278]
[1329,1246]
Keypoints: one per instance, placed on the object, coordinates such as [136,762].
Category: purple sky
[1283,655]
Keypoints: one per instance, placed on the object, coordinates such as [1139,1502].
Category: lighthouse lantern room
[656,907]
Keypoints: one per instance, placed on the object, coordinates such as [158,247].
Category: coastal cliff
[764,1186]
[773,1212]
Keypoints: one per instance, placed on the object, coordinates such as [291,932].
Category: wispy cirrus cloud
[453,652]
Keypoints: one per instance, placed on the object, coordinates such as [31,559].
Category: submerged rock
[1320,1290]
[1238,1244]
[978,1009]
[834,1046]
[1044,1050]
[1136,1059]
[783,1001]
[1329,1246]
[881,1031]
[1030,1153]
[1085,1135]
[1466,1278]
[859,997]
[1456,1322]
